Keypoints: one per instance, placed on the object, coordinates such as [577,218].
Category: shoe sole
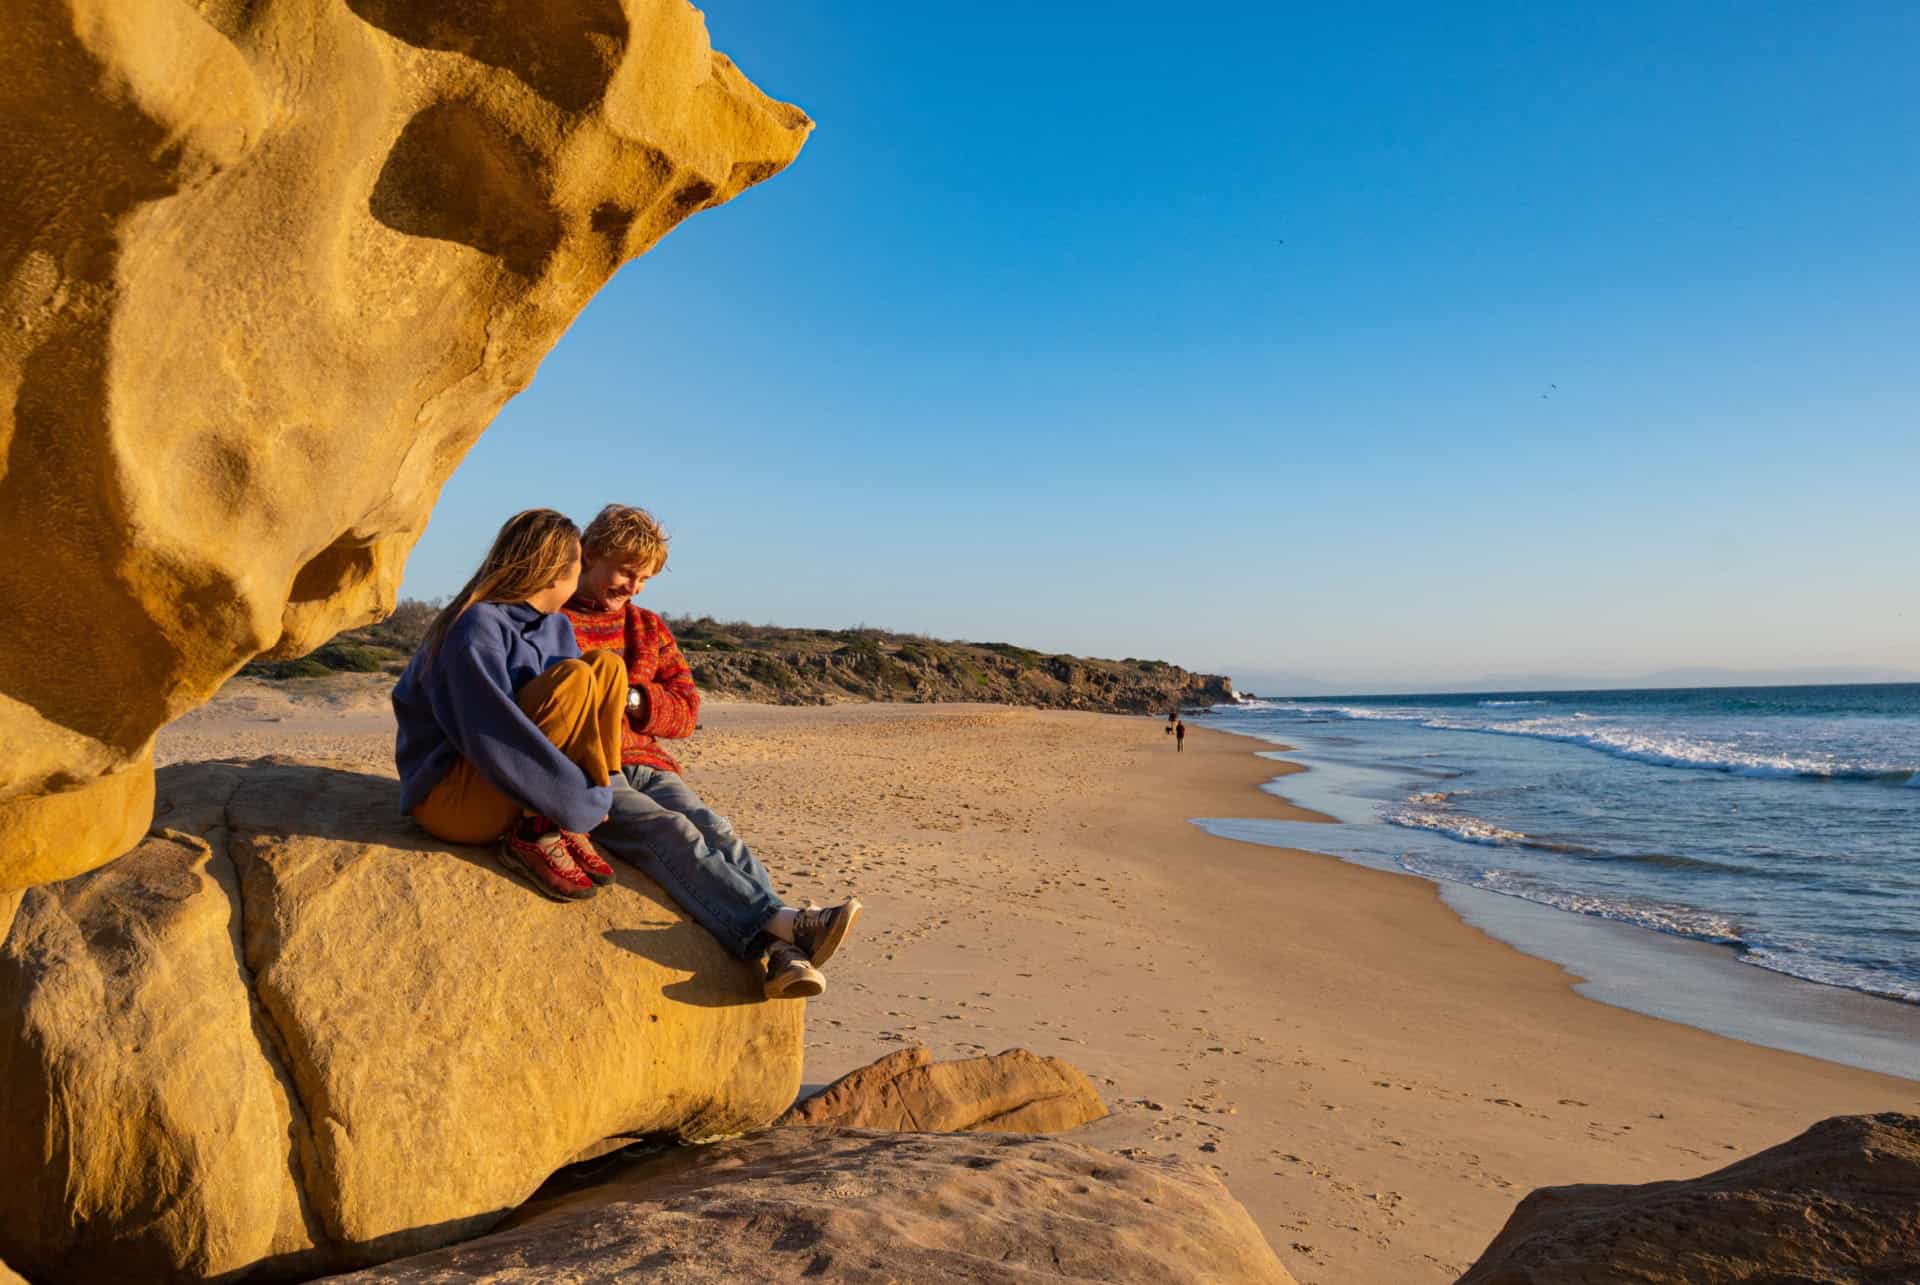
[516,866]
[825,947]
[801,987]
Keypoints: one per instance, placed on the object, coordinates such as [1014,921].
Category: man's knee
[635,820]
[685,832]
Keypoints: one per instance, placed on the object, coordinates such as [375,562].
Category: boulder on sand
[1839,1203]
[872,1209]
[289,1031]
[1011,1092]
[267,270]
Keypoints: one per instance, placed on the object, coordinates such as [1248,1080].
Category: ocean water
[1781,822]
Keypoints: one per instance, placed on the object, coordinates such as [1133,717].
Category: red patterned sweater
[669,702]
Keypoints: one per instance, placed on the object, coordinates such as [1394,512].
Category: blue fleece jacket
[462,706]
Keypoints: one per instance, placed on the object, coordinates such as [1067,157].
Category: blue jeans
[659,826]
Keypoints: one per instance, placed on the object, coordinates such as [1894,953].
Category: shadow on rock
[869,1208]
[564,50]
[682,946]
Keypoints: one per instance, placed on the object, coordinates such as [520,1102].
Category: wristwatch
[633,699]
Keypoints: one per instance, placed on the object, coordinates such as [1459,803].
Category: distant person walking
[1179,736]
[1173,717]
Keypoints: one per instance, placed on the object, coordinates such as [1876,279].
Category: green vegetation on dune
[786,666]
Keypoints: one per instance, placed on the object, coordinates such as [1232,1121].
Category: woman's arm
[473,701]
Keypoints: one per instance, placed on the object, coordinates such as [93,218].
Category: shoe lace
[554,845]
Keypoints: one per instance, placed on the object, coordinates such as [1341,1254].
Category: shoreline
[1698,984]
[1376,1080]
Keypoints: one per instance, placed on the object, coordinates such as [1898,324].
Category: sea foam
[1466,829]
[1657,747]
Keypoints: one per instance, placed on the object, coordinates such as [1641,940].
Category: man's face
[611,582]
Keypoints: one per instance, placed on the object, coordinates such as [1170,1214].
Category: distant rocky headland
[781,666]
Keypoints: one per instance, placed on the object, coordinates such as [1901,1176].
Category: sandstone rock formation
[286,1032]
[1839,1203]
[1011,1092]
[267,270]
[872,1209]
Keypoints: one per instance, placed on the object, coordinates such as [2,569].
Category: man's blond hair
[627,537]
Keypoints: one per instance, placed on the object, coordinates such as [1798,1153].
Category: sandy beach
[1378,1082]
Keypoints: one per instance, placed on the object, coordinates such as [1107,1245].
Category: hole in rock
[455,174]
[346,562]
[564,50]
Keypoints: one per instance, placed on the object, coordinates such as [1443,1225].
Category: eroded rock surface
[267,270]
[1011,1092]
[289,1032]
[874,1209]
[1839,1203]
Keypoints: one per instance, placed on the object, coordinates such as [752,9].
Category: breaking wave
[1666,917]
[1658,748]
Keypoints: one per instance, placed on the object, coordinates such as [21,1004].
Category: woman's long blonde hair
[533,550]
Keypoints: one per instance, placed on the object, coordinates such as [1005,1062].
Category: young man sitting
[658,822]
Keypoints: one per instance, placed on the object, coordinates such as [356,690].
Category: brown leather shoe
[790,975]
[818,933]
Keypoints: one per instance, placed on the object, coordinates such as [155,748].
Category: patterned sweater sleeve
[672,701]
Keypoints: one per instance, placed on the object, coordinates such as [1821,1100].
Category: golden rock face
[854,1205]
[267,270]
[1011,1092]
[288,1034]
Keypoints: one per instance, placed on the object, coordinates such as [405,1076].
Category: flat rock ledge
[289,1034]
[1839,1203]
[1011,1092]
[869,1208]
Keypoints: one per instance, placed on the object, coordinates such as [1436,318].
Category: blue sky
[1014,350]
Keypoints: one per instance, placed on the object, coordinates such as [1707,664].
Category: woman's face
[555,595]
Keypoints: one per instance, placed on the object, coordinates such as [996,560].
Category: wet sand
[1376,1080]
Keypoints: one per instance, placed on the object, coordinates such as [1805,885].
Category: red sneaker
[587,857]
[542,857]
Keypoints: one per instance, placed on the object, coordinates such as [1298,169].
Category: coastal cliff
[820,667]
[779,666]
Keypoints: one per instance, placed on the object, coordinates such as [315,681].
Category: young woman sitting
[506,732]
